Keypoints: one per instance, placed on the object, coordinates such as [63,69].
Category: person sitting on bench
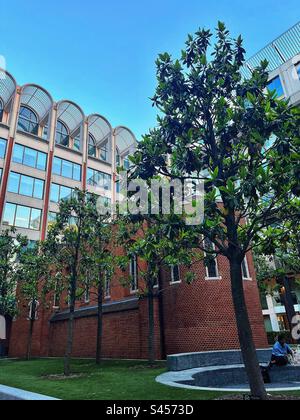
[280,352]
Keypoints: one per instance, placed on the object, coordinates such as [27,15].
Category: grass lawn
[114,380]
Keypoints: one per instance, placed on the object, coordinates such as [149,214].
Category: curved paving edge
[172,379]
[13,394]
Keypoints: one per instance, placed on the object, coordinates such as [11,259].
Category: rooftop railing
[278,52]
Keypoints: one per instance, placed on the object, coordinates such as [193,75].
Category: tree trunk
[161,316]
[29,343]
[100,322]
[70,332]
[151,351]
[31,327]
[245,332]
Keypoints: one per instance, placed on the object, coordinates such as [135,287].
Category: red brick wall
[203,318]
[198,317]
[124,335]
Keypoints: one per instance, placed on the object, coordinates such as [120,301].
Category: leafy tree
[99,259]
[215,125]
[33,282]
[157,241]
[66,244]
[11,246]
[274,272]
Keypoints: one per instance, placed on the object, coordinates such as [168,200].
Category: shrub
[272,336]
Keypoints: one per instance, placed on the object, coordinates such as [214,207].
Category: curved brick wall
[197,317]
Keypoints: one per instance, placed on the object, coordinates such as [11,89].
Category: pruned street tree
[11,247]
[99,259]
[34,284]
[157,241]
[66,246]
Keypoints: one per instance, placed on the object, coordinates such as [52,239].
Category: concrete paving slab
[13,394]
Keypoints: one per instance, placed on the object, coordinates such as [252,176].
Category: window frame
[17,206]
[4,143]
[173,281]
[74,165]
[1,110]
[34,131]
[92,143]
[20,183]
[97,175]
[107,287]
[246,263]
[297,66]
[61,133]
[59,192]
[207,276]
[278,77]
[38,154]
[133,271]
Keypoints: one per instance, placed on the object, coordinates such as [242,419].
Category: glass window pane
[65,193]
[212,269]
[276,85]
[18,153]
[13,183]
[245,268]
[77,172]
[2,148]
[54,196]
[30,157]
[27,120]
[77,144]
[52,217]
[22,217]
[57,166]
[41,161]
[9,214]
[38,189]
[35,219]
[90,176]
[67,169]
[26,186]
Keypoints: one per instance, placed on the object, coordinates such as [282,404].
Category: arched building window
[92,146]
[77,143]
[104,151]
[62,134]
[1,110]
[28,121]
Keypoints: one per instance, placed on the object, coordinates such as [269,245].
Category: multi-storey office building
[283,56]
[47,149]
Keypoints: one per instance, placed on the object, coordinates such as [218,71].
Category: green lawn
[114,380]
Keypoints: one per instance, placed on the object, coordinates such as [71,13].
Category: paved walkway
[182,379]
[13,394]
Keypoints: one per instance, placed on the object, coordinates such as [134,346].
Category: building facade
[283,55]
[47,149]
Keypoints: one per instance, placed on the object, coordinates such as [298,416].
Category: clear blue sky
[101,54]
